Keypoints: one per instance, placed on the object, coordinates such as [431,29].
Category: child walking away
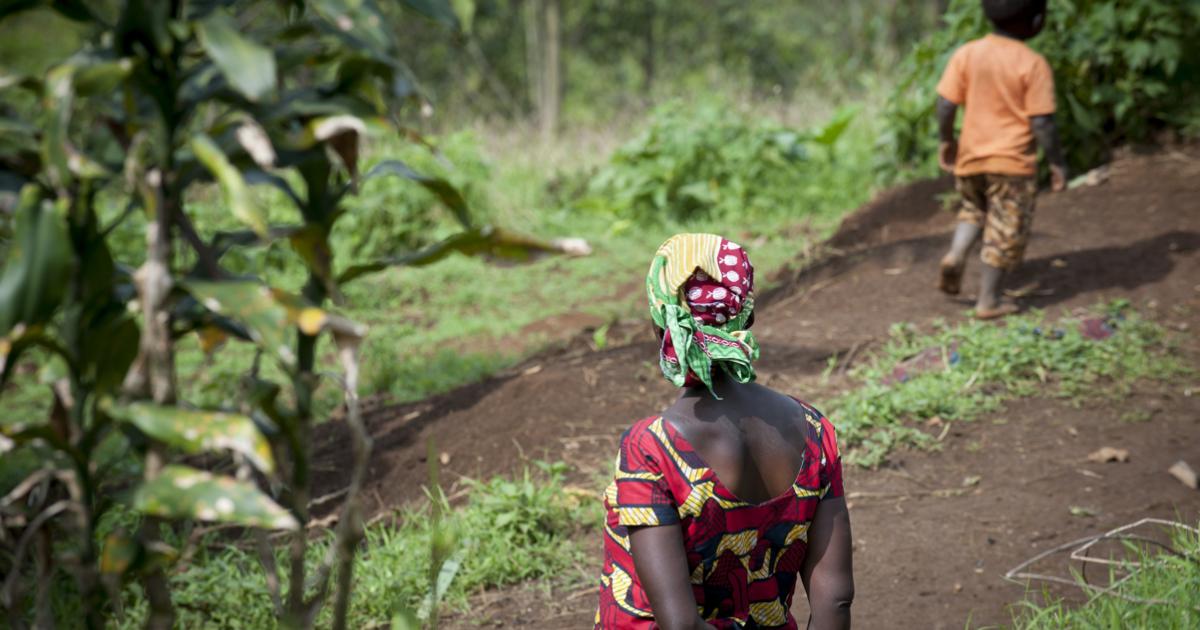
[1007,93]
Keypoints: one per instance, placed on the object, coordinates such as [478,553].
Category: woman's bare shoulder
[795,408]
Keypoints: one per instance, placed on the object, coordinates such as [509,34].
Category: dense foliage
[159,105]
[710,161]
[1122,70]
[509,531]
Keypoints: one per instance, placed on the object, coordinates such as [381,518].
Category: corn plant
[164,97]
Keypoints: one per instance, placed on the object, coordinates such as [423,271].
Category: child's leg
[1009,221]
[971,218]
[965,235]
[989,304]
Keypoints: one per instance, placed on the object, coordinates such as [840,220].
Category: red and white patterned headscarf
[701,290]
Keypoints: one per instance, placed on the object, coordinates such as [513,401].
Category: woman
[720,502]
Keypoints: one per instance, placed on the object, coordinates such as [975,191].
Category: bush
[391,216]
[1122,71]
[709,161]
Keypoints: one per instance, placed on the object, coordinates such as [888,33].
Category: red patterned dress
[745,558]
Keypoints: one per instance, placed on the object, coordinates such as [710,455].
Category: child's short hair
[1013,14]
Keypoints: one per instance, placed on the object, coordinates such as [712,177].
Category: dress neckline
[675,435]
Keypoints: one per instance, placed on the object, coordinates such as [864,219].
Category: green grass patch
[509,530]
[1172,580]
[972,368]
[438,327]
[463,317]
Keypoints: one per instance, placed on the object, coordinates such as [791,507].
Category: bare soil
[934,531]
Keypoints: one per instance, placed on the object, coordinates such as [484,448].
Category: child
[1007,92]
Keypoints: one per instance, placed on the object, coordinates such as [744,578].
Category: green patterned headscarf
[701,293]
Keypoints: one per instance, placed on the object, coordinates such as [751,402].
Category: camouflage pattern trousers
[1003,206]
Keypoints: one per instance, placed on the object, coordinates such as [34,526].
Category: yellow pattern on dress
[699,495]
[769,613]
[630,515]
[621,540]
[638,476]
[636,516]
[698,574]
[620,582]
[806,493]
[691,474]
[798,532]
[610,493]
[767,570]
[741,543]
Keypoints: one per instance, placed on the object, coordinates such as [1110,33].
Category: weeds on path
[1162,591]
[980,365]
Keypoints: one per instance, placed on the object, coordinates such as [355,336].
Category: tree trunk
[542,66]
[551,82]
[533,54]
[649,48]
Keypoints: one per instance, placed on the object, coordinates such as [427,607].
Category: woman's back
[722,503]
[754,438]
[744,544]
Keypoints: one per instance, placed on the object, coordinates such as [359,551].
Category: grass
[439,327]
[507,531]
[528,528]
[1174,579]
[436,328]
[462,317]
[974,367]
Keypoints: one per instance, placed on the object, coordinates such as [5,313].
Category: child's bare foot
[1001,309]
[950,278]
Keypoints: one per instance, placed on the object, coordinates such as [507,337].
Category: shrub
[393,215]
[708,161]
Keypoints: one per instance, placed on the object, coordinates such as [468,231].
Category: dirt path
[929,550]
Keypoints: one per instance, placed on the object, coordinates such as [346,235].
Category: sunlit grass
[458,321]
[507,531]
[1172,581]
[989,364]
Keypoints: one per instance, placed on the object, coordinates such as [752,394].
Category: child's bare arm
[946,112]
[1046,133]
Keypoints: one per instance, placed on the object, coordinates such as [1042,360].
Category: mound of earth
[929,550]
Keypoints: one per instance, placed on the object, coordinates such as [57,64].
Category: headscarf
[701,292]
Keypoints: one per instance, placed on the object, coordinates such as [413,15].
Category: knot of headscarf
[701,292]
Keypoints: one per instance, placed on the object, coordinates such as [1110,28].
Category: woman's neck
[722,385]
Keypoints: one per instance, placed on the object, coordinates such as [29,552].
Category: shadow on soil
[1091,270]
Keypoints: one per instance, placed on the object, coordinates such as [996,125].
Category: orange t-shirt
[1001,83]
